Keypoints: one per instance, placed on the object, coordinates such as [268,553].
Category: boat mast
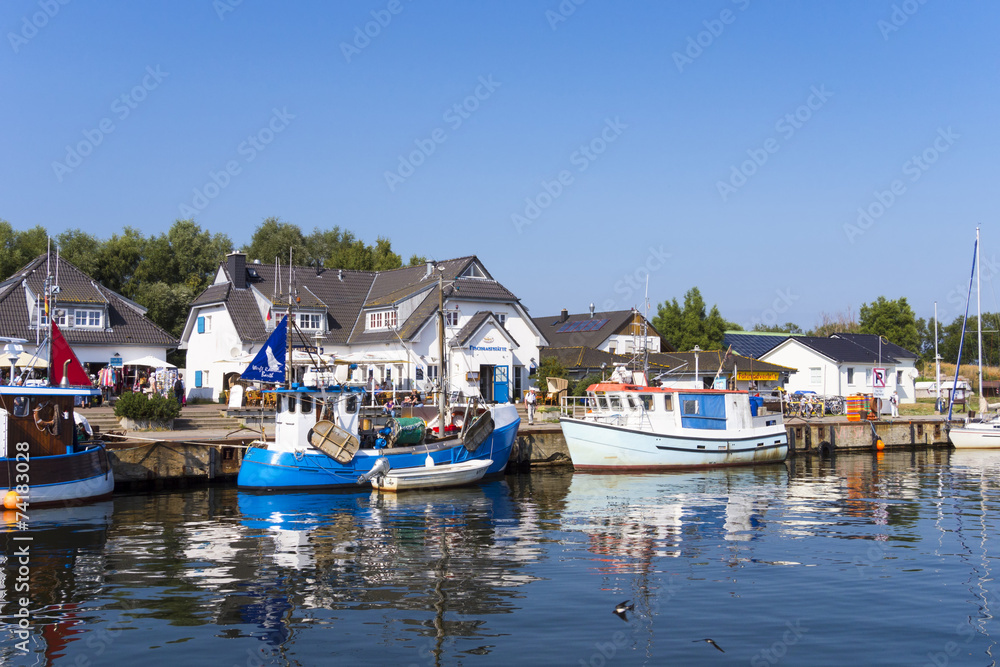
[937,360]
[441,385]
[979,323]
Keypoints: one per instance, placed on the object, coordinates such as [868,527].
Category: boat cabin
[41,417]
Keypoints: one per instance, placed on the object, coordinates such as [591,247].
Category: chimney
[236,264]
[430,270]
[564,315]
[591,310]
[340,275]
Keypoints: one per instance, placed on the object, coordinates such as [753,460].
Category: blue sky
[787,158]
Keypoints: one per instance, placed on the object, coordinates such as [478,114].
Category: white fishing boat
[432,477]
[636,427]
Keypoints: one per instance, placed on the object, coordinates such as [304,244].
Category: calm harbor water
[862,561]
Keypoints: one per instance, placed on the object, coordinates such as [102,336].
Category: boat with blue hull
[326,438]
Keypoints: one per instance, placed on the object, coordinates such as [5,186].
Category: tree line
[165,272]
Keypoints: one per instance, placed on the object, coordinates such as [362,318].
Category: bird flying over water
[709,641]
[623,607]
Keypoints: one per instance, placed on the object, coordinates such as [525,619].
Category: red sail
[61,353]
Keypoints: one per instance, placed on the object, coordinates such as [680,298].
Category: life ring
[46,416]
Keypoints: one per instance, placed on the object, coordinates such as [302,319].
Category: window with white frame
[850,376]
[382,319]
[313,321]
[868,377]
[501,317]
[87,318]
[815,375]
[451,318]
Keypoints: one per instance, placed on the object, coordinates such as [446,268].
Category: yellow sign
[757,375]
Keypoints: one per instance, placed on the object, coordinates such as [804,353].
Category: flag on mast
[269,364]
[64,361]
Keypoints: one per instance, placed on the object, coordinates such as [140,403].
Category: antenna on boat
[979,323]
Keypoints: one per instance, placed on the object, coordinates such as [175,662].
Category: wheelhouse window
[647,401]
[602,400]
[631,402]
[615,401]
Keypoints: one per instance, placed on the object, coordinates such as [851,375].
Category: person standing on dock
[529,404]
[894,403]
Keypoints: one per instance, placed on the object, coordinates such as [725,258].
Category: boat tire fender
[826,450]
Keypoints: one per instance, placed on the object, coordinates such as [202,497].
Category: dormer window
[474,271]
[87,318]
[382,319]
[312,321]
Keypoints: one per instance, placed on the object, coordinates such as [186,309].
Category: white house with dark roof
[102,326]
[383,325]
[846,364]
[614,332]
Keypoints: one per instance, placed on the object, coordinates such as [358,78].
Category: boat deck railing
[576,407]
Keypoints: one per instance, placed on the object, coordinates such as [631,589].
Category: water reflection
[458,575]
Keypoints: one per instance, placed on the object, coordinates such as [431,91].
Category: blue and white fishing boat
[326,437]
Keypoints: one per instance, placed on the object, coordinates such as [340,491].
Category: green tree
[79,249]
[417,260]
[117,261]
[167,305]
[893,319]
[17,248]
[842,322]
[787,327]
[273,239]
[186,255]
[691,325]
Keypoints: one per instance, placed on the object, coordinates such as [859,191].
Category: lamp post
[696,351]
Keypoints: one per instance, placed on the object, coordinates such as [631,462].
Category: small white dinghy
[432,477]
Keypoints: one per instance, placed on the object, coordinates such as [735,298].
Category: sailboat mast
[979,322]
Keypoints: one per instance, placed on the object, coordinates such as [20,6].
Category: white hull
[976,435]
[434,477]
[604,446]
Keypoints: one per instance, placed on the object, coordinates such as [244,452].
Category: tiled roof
[588,359]
[340,292]
[843,350]
[346,295]
[709,361]
[871,343]
[617,321]
[126,323]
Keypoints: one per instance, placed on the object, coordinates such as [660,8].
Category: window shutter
[197,376]
[201,327]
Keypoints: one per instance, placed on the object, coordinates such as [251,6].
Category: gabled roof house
[845,364]
[102,326]
[384,324]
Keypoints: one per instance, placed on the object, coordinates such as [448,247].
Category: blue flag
[269,364]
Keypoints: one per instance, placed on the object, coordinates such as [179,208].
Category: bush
[579,388]
[140,407]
